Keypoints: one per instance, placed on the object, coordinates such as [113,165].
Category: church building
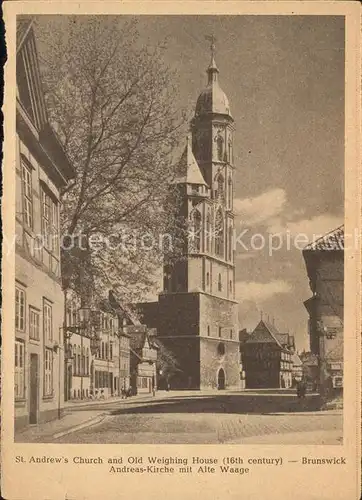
[196,315]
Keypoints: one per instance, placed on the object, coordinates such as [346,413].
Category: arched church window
[219,283]
[196,225]
[207,279]
[221,347]
[220,147]
[230,194]
[220,187]
[208,232]
[230,243]
[230,150]
[219,234]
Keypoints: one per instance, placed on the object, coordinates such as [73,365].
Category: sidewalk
[69,422]
[80,404]
[77,415]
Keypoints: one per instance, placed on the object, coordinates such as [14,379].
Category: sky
[284,77]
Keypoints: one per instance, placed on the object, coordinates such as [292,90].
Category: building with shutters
[41,170]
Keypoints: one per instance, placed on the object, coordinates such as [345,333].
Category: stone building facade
[196,313]
[324,261]
[41,170]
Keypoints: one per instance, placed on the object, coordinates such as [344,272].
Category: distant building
[100,371]
[143,359]
[324,260]
[42,170]
[297,369]
[310,366]
[267,357]
[243,337]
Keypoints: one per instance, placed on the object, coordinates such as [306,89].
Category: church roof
[333,240]
[189,171]
[212,99]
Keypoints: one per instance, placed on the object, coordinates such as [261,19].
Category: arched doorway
[221,379]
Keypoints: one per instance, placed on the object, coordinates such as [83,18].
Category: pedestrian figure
[301,389]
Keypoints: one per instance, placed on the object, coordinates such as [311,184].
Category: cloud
[260,292]
[262,208]
[313,228]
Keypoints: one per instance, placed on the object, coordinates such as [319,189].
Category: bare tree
[110,99]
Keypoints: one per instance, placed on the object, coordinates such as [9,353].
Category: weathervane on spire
[212,40]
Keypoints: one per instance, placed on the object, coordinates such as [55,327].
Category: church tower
[197,312]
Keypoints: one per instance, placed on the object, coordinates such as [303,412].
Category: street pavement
[185,417]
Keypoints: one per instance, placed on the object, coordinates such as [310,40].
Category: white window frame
[34,324]
[48,321]
[19,375]
[48,372]
[20,311]
[26,177]
[50,222]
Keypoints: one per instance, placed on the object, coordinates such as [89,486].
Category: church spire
[212,70]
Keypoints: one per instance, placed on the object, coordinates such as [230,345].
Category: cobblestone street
[234,418]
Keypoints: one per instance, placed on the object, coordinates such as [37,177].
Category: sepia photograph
[179,246]
[181,243]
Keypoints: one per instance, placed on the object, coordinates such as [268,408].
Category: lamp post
[120,333]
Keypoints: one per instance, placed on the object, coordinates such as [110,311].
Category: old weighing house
[267,357]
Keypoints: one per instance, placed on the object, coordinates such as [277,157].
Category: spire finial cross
[212,40]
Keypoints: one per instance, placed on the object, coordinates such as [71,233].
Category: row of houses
[63,350]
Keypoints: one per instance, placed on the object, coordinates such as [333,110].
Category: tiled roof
[264,332]
[330,241]
[122,309]
[283,338]
[189,171]
[309,359]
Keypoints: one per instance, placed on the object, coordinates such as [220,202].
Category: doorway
[34,389]
[68,383]
[221,379]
